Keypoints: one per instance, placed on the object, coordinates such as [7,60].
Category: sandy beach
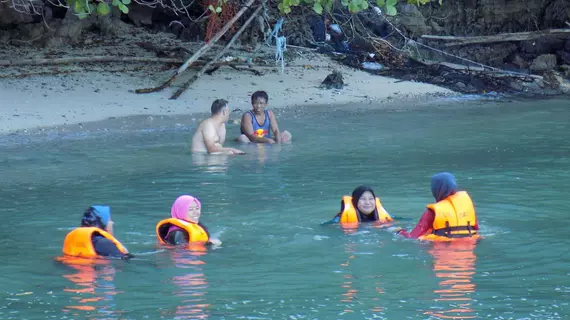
[60,100]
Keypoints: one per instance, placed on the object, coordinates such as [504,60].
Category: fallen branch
[246,67]
[218,56]
[201,51]
[501,37]
[11,63]
[256,72]
[162,52]
[210,71]
[567,23]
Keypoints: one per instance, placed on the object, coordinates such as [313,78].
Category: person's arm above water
[209,134]
[247,129]
[334,220]
[274,127]
[424,225]
[215,242]
[211,240]
[106,248]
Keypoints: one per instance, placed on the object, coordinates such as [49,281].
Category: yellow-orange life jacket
[195,232]
[78,242]
[454,218]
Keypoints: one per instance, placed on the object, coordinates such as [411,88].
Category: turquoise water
[277,261]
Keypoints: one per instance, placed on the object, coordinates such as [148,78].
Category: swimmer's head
[443,185]
[364,200]
[186,208]
[259,100]
[98,217]
[220,107]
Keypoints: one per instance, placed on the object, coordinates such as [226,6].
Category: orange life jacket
[78,242]
[349,216]
[454,218]
[195,232]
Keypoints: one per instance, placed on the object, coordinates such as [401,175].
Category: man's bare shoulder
[205,124]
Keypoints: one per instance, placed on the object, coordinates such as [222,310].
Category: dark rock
[494,55]
[436,28]
[176,27]
[555,14]
[9,16]
[48,13]
[192,32]
[333,81]
[140,14]
[411,19]
[486,17]
[543,62]
[520,62]
[542,45]
[564,56]
[4,36]
[31,31]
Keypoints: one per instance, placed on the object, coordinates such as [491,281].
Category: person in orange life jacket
[186,210]
[99,217]
[443,186]
[256,123]
[364,201]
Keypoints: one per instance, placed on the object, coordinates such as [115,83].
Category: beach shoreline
[39,103]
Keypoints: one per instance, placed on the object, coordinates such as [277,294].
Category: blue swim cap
[103,212]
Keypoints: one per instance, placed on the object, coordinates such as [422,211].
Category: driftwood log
[201,51]
[218,56]
[490,73]
[501,37]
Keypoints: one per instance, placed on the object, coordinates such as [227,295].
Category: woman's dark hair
[91,219]
[357,193]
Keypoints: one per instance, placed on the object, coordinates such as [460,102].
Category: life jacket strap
[450,232]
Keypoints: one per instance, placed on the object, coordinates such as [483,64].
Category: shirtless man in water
[210,134]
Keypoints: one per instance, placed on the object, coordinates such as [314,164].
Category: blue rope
[280,46]
[275,31]
[280,43]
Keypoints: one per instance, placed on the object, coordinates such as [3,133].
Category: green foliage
[218,7]
[389,6]
[83,8]
[354,6]
[317,5]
